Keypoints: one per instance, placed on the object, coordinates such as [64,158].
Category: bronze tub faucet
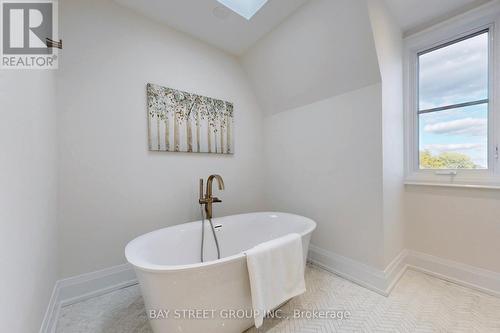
[208,199]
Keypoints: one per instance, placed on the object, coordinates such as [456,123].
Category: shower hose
[203,234]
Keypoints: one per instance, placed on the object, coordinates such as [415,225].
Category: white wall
[324,161]
[111,188]
[28,241]
[317,77]
[334,155]
[324,49]
[389,46]
[457,224]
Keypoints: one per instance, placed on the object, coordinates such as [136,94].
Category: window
[453,104]
[452,116]
[246,8]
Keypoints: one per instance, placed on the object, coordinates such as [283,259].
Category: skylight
[245,8]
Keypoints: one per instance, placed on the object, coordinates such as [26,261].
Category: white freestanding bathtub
[182,294]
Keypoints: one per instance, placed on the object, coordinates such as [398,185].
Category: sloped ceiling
[298,51]
[210,21]
[415,15]
[324,49]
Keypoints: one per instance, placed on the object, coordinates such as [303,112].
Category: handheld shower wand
[208,200]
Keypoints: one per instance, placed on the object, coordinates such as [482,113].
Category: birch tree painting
[183,122]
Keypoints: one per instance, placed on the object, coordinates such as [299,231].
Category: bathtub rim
[154,268]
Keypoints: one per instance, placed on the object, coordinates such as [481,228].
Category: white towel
[276,271]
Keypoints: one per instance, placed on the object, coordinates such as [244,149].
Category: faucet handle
[201,190]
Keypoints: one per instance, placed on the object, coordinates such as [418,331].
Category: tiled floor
[419,303]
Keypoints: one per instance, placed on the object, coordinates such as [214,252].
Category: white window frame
[487,17]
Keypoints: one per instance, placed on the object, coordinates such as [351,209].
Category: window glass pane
[454,74]
[454,139]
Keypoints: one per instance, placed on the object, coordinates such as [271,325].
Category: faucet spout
[210,181]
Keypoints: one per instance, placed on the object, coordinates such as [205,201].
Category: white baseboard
[380,281]
[465,275]
[395,270]
[383,281]
[52,313]
[82,287]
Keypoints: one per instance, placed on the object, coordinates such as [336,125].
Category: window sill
[492,186]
